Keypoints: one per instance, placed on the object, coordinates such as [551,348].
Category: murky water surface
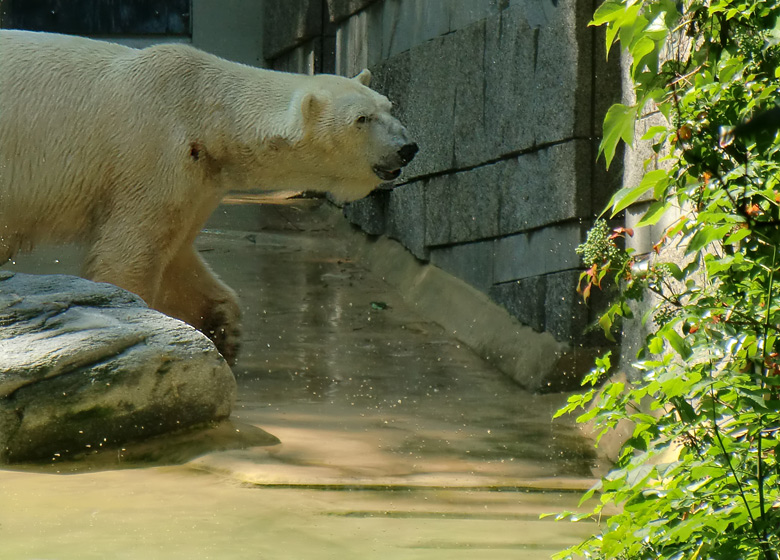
[397,441]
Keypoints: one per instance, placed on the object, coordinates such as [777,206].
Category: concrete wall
[506,99]
[232,29]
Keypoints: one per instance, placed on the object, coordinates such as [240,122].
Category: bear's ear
[364,77]
[311,107]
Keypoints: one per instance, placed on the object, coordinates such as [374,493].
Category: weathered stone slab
[300,60]
[546,186]
[509,74]
[561,88]
[289,24]
[539,252]
[230,29]
[438,219]
[86,365]
[550,303]
[462,206]
[524,300]
[566,315]
[494,88]
[473,143]
[369,213]
[537,189]
[369,32]
[406,210]
[355,48]
[339,10]
[537,13]
[409,23]
[471,262]
[398,213]
[428,109]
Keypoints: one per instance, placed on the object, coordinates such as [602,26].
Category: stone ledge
[535,360]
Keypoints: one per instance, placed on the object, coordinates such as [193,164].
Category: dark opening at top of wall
[99,17]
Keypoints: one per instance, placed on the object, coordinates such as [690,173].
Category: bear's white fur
[131,150]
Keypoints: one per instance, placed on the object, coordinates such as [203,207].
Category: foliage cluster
[699,477]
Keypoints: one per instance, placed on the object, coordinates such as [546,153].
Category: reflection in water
[452,460]
[329,347]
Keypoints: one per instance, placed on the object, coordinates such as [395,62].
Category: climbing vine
[699,476]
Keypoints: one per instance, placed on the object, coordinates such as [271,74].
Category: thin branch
[765,373]
[727,458]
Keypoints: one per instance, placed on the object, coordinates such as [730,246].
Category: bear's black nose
[407,152]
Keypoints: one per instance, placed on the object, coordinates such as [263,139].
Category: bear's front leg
[128,261]
[190,291]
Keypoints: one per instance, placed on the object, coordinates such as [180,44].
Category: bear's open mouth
[386,174]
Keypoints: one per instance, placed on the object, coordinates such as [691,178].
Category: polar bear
[131,150]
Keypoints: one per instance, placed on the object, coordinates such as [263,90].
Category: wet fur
[131,150]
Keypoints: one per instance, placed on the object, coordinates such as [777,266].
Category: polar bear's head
[349,136]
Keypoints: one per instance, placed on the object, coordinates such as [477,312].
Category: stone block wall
[231,29]
[506,100]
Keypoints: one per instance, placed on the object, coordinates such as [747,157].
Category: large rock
[85,365]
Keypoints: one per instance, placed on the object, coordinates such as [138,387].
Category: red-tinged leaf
[685,133]
[586,291]
[620,232]
[752,210]
[657,247]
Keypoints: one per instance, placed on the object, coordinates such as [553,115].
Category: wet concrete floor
[397,440]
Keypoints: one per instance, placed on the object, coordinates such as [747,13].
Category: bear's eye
[362,119]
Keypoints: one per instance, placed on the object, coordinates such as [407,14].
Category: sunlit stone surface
[85,366]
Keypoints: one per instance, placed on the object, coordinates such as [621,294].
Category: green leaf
[618,125]
[588,416]
[707,387]
[631,26]
[637,443]
[677,342]
[605,322]
[654,131]
[621,22]
[675,271]
[706,235]
[737,236]
[655,345]
[684,409]
[656,211]
[643,47]
[627,196]
[607,12]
